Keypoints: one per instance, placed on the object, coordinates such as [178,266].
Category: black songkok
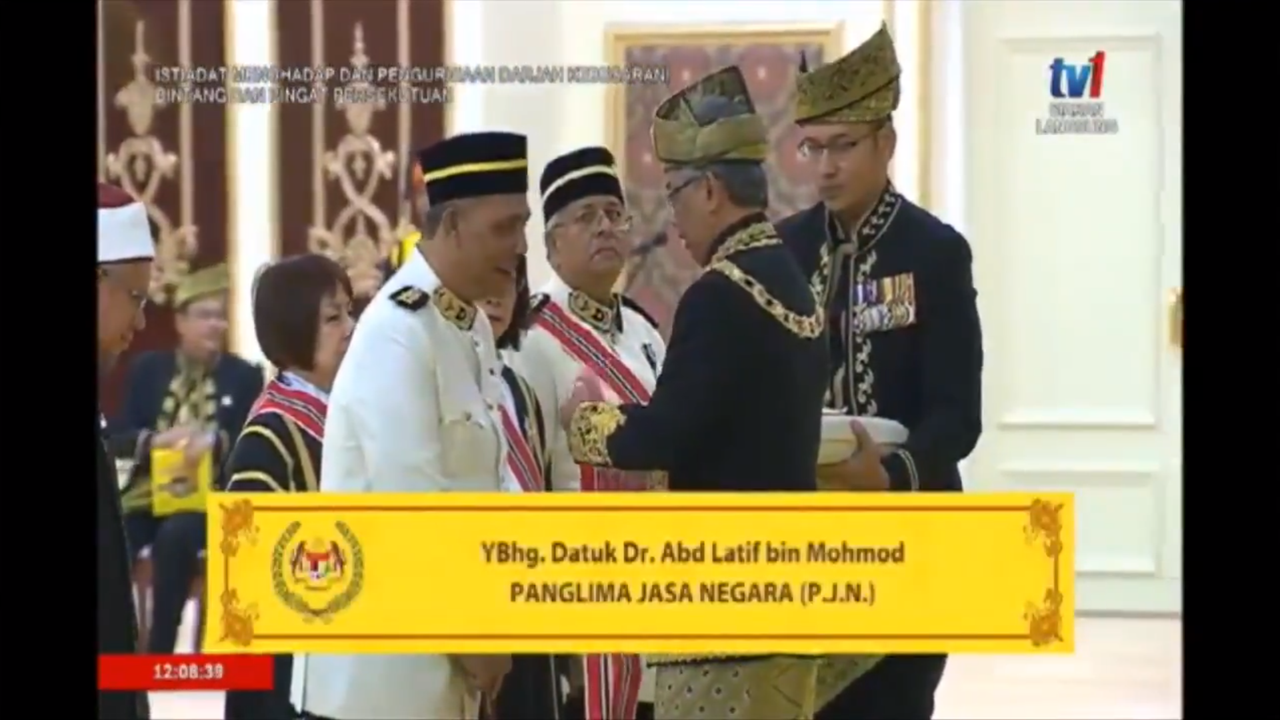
[475,165]
[582,173]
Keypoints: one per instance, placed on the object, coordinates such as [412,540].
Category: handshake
[586,388]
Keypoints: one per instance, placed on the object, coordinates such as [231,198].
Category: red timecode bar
[185,672]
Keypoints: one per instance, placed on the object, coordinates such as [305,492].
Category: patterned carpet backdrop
[661,268]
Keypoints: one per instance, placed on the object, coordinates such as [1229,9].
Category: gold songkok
[859,87]
[684,133]
[202,283]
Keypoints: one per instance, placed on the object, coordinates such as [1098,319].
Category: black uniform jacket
[153,389]
[277,451]
[738,403]
[117,622]
[905,339]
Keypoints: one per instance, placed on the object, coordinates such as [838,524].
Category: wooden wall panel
[171,157]
[343,169]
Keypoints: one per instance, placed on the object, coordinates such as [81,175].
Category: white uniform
[551,371]
[415,408]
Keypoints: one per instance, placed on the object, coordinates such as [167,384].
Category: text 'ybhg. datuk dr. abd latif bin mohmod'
[627,552]
[386,84]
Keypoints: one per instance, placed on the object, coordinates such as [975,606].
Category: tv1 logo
[1076,107]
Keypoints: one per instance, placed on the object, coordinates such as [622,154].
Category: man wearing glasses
[738,404]
[125,251]
[905,341]
[581,326]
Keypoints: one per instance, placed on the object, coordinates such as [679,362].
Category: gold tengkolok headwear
[859,87]
[201,283]
[684,135]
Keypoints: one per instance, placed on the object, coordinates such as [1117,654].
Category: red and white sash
[612,682]
[520,458]
[306,409]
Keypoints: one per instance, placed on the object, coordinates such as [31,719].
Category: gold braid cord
[807,327]
[759,235]
[592,425]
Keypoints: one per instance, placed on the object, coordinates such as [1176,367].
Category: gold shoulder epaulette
[411,298]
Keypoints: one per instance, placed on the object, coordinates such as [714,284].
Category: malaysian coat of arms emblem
[320,575]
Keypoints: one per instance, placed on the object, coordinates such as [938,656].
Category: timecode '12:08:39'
[184,672]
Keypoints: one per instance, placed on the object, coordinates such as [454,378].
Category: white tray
[839,442]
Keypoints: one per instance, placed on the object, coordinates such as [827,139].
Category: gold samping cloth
[784,687]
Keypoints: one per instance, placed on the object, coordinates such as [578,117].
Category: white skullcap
[123,231]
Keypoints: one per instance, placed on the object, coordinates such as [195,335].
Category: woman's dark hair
[520,315]
[286,307]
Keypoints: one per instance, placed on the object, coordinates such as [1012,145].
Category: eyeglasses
[836,150]
[207,315]
[673,192]
[592,218]
[137,297]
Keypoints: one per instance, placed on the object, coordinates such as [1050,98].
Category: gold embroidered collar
[454,309]
[759,233]
[606,318]
[872,226]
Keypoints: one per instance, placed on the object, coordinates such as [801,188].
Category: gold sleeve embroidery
[308,470]
[805,326]
[589,431]
[258,475]
[273,439]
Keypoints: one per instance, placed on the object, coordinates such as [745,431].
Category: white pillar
[483,33]
[252,183]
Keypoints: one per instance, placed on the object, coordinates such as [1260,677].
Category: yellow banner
[641,572]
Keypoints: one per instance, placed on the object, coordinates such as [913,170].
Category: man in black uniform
[905,340]
[125,250]
[738,402]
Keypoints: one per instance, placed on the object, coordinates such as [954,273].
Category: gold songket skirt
[758,688]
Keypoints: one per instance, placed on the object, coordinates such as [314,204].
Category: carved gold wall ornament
[141,163]
[361,234]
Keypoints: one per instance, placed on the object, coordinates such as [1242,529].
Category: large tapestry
[171,156]
[343,166]
[661,269]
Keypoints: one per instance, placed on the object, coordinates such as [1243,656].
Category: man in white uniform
[583,326]
[416,407]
